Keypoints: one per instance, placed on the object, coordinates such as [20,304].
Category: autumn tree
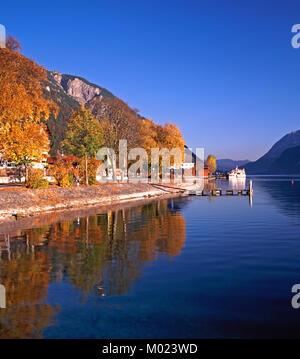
[23,108]
[22,83]
[84,136]
[24,143]
[63,171]
[118,121]
[12,43]
[169,136]
[148,136]
[211,163]
[152,135]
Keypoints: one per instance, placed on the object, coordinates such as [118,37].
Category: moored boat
[237,173]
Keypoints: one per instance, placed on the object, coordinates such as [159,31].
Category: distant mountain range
[282,158]
[228,164]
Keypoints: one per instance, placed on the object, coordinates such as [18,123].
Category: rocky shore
[19,202]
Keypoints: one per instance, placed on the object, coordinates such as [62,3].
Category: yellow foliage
[63,172]
[36,180]
[92,166]
[211,163]
[23,143]
[23,106]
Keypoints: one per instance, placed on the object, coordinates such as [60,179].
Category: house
[189,168]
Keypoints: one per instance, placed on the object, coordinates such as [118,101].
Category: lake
[188,267]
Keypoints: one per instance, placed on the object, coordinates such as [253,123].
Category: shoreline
[20,203]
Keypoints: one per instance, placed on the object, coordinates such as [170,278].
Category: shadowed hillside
[264,164]
[287,163]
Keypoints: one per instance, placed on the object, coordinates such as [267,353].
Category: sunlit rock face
[80,90]
[68,91]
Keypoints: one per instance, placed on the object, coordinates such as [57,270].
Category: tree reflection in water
[100,255]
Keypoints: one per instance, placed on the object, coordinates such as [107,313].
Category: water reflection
[25,273]
[101,255]
[285,193]
[237,183]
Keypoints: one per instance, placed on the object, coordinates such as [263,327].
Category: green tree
[211,163]
[84,136]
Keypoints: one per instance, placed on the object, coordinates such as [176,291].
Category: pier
[220,192]
[193,191]
[223,192]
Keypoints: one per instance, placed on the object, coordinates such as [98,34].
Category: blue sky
[224,71]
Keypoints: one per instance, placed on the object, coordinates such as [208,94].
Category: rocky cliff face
[78,88]
[67,92]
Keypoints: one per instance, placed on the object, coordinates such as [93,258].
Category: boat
[237,173]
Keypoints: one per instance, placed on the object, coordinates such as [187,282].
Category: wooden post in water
[250,188]
[250,193]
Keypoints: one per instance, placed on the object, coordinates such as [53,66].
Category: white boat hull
[237,174]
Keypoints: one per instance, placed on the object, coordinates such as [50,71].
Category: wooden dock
[223,192]
[193,191]
[220,192]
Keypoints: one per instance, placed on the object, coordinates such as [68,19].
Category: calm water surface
[187,267]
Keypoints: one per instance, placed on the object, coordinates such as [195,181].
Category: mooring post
[250,188]
[250,193]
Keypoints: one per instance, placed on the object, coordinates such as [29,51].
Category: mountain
[263,164]
[228,164]
[287,163]
[68,91]
[79,88]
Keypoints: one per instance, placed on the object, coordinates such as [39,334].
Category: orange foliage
[22,82]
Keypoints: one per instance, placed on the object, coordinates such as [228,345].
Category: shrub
[63,172]
[35,179]
[65,181]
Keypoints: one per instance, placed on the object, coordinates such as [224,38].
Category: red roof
[52,160]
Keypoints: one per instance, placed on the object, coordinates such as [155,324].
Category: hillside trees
[118,120]
[26,105]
